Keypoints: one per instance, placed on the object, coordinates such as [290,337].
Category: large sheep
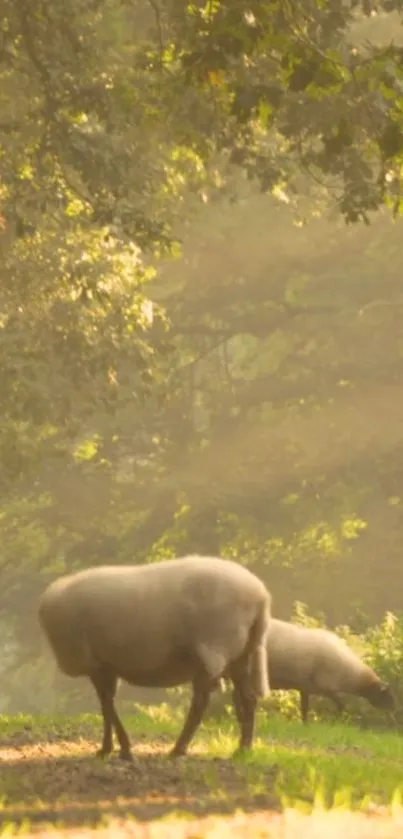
[160,625]
[316,661]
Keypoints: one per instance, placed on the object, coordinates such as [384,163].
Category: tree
[118,123]
[294,93]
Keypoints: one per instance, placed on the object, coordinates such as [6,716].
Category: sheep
[182,620]
[317,661]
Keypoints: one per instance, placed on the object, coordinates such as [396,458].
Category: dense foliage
[244,399]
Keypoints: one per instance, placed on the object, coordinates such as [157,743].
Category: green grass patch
[324,762]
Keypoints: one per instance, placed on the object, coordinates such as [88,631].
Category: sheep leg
[123,739]
[237,700]
[105,684]
[245,709]
[200,698]
[304,704]
[105,692]
[247,723]
[336,701]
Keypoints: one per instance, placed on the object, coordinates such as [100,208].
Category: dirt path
[62,780]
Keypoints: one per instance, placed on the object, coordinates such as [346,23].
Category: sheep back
[151,621]
[311,659]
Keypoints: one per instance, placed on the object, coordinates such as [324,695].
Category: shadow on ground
[63,781]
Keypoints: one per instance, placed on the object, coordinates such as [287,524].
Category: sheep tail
[258,657]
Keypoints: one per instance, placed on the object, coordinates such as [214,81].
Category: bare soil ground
[48,781]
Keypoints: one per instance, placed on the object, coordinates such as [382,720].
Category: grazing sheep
[316,661]
[160,625]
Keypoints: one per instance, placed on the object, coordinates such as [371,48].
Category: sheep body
[317,661]
[314,658]
[160,625]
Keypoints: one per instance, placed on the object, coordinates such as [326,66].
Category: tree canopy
[183,364]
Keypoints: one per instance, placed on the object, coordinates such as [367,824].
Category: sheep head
[380,695]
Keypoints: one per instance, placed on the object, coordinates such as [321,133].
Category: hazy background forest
[197,353]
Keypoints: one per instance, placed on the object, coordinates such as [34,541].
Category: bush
[385,654]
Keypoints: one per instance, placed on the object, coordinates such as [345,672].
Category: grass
[324,761]
[49,774]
